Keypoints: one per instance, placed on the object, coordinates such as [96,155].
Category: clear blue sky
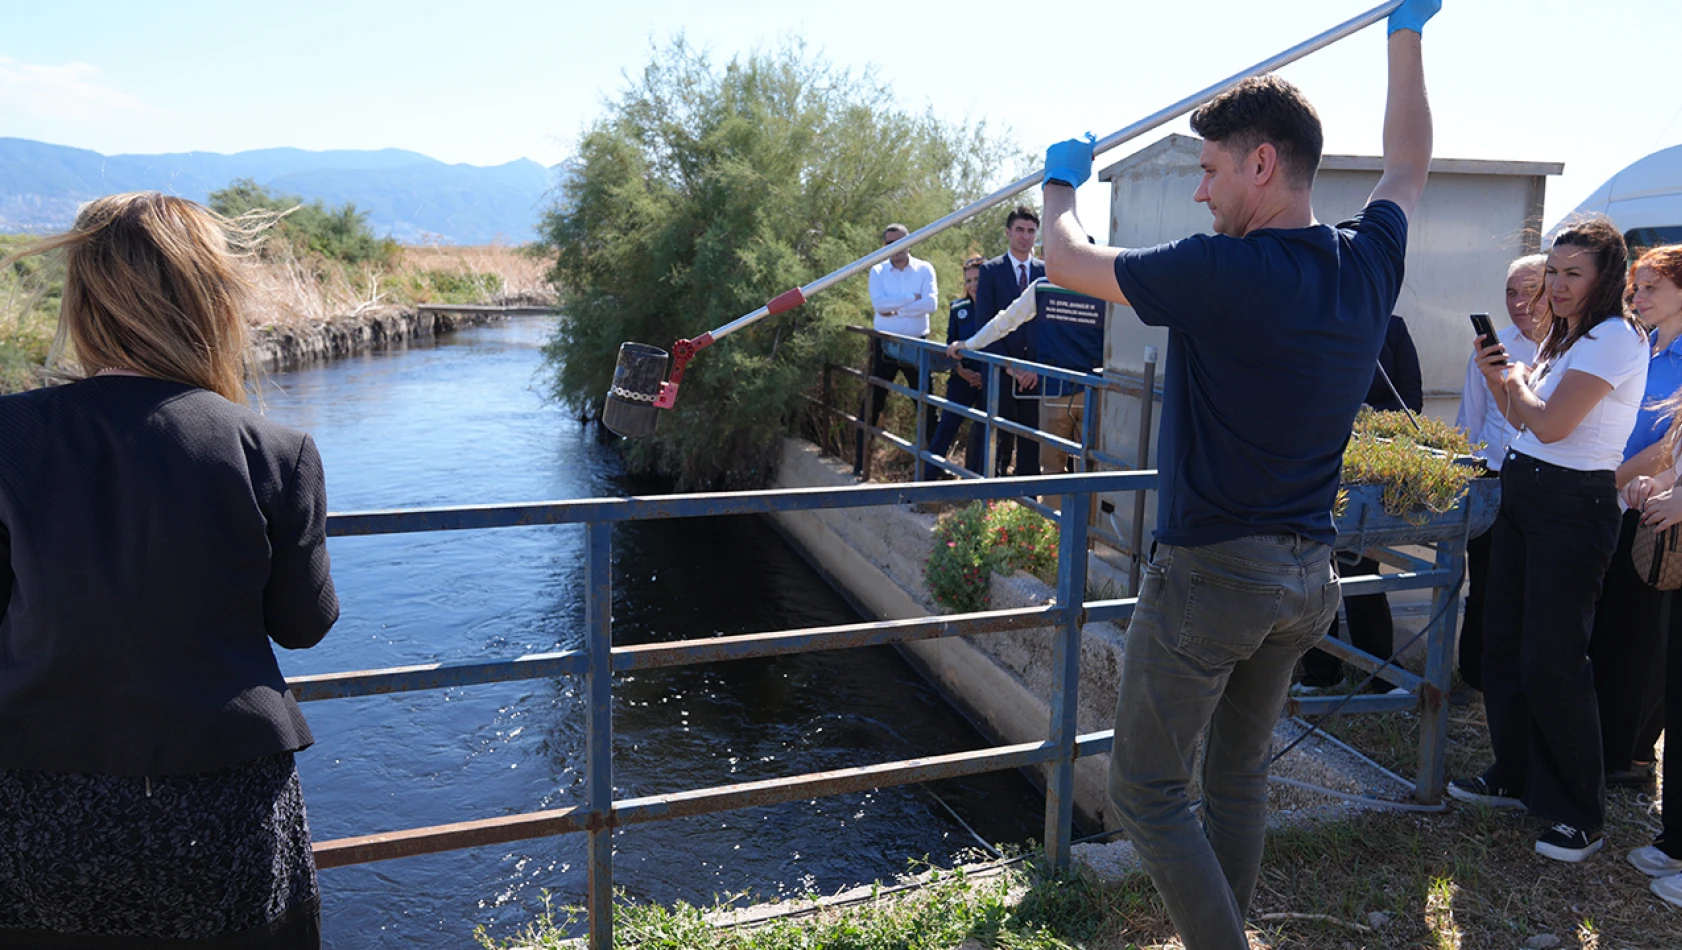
[495,80]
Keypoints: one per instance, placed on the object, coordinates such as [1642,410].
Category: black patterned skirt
[221,859]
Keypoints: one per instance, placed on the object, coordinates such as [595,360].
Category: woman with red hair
[1627,646]
[1656,280]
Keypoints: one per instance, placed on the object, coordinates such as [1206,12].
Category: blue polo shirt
[1664,378]
[1272,339]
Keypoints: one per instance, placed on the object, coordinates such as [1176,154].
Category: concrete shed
[1474,218]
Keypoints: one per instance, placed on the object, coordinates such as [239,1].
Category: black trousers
[1553,540]
[1670,840]
[1372,629]
[1628,650]
[962,393]
[1471,623]
[1025,412]
[882,367]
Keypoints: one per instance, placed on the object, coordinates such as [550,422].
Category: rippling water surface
[461,421]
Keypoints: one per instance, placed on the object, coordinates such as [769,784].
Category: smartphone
[1485,331]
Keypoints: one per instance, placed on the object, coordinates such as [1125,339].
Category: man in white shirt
[1481,417]
[902,294]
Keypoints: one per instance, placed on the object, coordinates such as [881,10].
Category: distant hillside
[407,195]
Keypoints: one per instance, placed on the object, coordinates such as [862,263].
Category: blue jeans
[1213,642]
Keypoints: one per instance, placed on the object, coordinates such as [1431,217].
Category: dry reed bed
[294,291]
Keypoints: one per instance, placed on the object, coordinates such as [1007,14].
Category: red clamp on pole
[682,352]
[787,300]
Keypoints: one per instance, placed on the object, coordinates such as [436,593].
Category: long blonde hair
[153,284]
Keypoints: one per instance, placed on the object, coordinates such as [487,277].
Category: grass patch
[1463,879]
[1015,907]
[29,297]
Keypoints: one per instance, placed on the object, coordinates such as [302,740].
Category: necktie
[1021,277]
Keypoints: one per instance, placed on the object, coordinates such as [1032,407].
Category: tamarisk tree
[703,192]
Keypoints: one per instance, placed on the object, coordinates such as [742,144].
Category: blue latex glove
[1070,162]
[1412,14]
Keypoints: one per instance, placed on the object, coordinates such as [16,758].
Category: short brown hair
[1022,213]
[152,285]
[1266,109]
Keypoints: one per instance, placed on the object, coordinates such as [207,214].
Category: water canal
[461,421]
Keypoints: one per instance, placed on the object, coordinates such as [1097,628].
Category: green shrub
[705,191]
[972,543]
[339,234]
[452,286]
[1023,540]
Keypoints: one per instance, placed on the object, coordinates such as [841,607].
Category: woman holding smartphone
[1554,537]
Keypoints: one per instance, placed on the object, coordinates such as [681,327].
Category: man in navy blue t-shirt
[1275,323]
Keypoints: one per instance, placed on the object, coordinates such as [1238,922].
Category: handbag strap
[1661,540]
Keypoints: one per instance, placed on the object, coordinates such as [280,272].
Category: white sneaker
[1654,863]
[1668,889]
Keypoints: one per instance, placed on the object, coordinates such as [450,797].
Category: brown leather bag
[1658,556]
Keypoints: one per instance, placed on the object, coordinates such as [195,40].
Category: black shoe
[1636,776]
[1479,792]
[1314,680]
[1565,843]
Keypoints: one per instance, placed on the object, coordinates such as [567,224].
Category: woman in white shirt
[1480,415]
[1554,538]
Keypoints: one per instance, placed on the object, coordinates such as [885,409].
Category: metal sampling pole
[1103,145]
[684,350]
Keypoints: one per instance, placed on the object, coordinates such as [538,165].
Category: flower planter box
[1365,524]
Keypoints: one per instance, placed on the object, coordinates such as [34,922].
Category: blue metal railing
[596,660]
[1084,452]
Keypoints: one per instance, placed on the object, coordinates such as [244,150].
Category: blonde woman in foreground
[155,536]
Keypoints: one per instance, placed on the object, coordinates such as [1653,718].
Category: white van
[1644,200]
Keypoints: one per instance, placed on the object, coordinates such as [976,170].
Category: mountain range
[406,195]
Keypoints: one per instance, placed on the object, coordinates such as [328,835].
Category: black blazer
[994,291]
[154,538]
[1399,359]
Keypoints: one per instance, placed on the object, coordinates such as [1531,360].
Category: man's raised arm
[1407,114]
[1070,259]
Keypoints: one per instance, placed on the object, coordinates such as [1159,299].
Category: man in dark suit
[1002,279]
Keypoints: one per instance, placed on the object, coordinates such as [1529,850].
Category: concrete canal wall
[1002,681]
[378,328]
